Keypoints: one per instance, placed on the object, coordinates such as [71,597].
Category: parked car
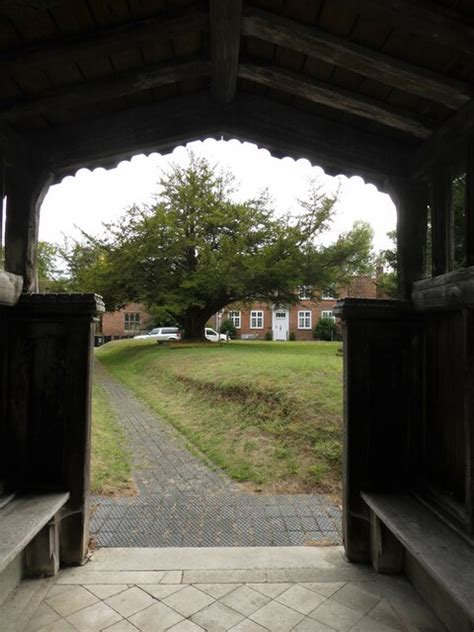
[161,334]
[213,336]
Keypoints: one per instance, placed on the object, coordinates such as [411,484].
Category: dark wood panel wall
[382,407]
[47,378]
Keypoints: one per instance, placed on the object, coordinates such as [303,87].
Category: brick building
[133,319]
[254,321]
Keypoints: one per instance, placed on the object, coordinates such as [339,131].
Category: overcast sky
[90,198]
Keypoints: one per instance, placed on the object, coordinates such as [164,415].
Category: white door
[280,324]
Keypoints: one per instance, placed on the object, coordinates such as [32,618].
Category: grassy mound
[267,413]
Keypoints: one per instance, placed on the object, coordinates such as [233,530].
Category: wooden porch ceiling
[373,87]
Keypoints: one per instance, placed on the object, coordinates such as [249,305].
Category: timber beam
[225,22]
[448,143]
[102,42]
[339,148]
[126,83]
[430,21]
[315,42]
[106,140]
[334,97]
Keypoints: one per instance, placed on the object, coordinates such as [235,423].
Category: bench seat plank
[22,519]
[437,548]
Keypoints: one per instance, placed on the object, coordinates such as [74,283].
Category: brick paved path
[183,502]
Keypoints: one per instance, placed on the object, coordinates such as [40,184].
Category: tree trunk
[194,323]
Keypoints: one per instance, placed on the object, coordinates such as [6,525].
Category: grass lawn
[110,468]
[268,413]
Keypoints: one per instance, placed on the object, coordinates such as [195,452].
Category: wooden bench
[445,556]
[30,523]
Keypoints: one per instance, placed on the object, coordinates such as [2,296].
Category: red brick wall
[300,334]
[113,323]
[360,287]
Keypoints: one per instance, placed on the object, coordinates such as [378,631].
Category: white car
[213,336]
[161,334]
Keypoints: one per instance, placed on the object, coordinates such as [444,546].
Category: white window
[256,319]
[304,320]
[304,292]
[234,317]
[328,313]
[131,321]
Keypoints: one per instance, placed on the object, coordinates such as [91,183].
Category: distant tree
[228,327]
[197,249]
[325,329]
[387,276]
[51,274]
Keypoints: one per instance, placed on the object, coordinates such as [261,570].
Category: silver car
[161,334]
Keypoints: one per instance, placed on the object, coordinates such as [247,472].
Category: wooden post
[25,193]
[386,551]
[382,402]
[469,205]
[42,553]
[411,200]
[48,407]
[469,315]
[225,19]
[442,221]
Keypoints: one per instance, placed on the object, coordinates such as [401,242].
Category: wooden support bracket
[42,553]
[387,554]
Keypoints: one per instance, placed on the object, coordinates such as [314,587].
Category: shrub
[292,336]
[227,327]
[269,335]
[325,329]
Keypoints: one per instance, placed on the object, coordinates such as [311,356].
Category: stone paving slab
[241,595]
[183,502]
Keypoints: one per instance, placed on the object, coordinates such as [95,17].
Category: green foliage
[268,335]
[325,329]
[51,275]
[292,336]
[197,249]
[227,327]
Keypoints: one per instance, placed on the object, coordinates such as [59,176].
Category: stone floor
[305,589]
[184,502]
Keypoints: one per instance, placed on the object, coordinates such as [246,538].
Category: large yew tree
[197,249]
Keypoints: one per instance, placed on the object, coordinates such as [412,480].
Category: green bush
[325,329]
[292,335]
[269,335]
[227,327]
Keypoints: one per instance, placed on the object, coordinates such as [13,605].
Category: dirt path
[183,502]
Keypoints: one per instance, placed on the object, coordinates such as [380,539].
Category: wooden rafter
[316,43]
[334,97]
[104,42]
[430,21]
[95,91]
[225,20]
